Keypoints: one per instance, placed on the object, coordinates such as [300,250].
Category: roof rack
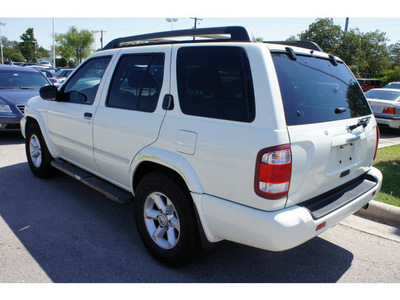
[303,44]
[229,33]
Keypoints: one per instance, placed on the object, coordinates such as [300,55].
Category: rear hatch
[330,124]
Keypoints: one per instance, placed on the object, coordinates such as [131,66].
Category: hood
[17,97]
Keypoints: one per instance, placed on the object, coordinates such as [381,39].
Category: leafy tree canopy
[75,45]
[27,46]
[367,54]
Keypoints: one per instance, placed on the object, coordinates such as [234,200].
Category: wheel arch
[151,159]
[36,118]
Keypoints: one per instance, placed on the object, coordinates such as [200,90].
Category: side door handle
[168,102]
[88,115]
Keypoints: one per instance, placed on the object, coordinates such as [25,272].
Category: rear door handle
[88,115]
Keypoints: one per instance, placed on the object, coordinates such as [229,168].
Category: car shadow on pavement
[11,138]
[77,235]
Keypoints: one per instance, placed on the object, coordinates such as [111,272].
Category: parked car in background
[63,74]
[17,86]
[29,64]
[393,85]
[385,104]
[45,64]
[52,70]
[368,84]
[49,75]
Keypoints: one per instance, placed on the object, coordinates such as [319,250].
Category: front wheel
[39,157]
[166,221]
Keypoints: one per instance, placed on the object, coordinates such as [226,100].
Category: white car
[262,144]
[385,104]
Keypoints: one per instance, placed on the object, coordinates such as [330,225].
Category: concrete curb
[381,212]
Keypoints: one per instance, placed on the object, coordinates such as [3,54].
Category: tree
[390,75]
[42,52]
[323,32]
[394,51]
[366,54]
[11,50]
[28,44]
[75,45]
[17,57]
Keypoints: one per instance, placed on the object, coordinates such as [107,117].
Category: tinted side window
[82,87]
[215,82]
[137,82]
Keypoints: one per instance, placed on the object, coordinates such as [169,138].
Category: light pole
[95,42]
[1,43]
[54,47]
[35,43]
[171,20]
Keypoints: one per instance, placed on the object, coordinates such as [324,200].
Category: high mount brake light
[273,172]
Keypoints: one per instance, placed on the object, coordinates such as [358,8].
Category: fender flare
[174,161]
[35,115]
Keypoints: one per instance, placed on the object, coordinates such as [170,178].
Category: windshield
[21,79]
[384,95]
[314,90]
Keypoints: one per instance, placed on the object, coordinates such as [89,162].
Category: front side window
[215,82]
[82,87]
[314,90]
[137,82]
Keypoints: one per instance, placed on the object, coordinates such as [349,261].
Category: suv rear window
[215,82]
[314,90]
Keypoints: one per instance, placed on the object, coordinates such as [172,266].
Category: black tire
[39,157]
[173,222]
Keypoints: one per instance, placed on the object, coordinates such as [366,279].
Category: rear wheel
[39,157]
[166,221]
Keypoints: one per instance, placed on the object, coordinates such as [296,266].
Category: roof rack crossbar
[303,44]
[237,34]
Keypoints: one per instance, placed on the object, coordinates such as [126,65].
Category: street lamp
[1,43]
[171,20]
[95,42]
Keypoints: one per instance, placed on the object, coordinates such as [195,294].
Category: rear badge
[326,132]
[353,139]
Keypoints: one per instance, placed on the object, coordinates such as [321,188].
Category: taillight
[273,172]
[389,110]
[377,141]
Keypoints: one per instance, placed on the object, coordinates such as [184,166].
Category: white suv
[263,144]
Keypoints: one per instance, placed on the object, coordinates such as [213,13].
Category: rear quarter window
[314,90]
[215,82]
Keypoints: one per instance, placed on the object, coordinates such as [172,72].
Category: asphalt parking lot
[59,230]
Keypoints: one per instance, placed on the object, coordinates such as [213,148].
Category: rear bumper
[275,231]
[390,122]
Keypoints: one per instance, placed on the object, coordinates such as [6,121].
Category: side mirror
[48,92]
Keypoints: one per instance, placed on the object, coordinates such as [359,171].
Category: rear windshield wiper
[362,122]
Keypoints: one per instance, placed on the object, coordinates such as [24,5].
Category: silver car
[385,104]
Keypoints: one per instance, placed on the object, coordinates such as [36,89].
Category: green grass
[388,162]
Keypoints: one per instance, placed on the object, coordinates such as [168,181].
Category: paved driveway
[389,137]
[59,230]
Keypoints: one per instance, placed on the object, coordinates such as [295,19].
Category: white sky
[271,20]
